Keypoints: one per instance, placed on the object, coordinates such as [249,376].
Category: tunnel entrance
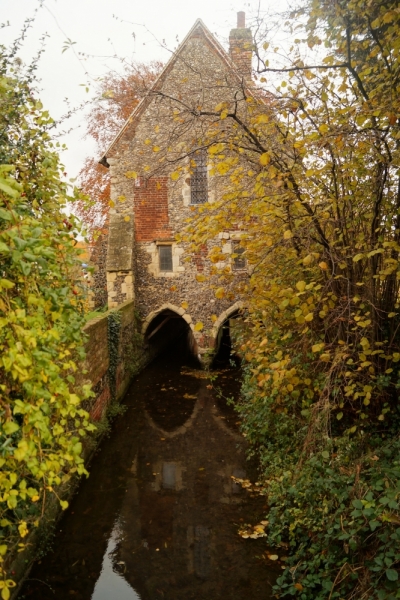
[224,343]
[168,331]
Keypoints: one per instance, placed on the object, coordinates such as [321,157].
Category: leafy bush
[42,422]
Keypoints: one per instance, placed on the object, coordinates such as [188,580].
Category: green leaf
[392,575]
[6,284]
[25,267]
[7,189]
[10,427]
[5,214]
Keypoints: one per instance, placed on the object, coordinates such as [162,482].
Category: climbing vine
[114,330]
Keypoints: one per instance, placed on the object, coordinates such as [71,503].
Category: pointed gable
[198,52]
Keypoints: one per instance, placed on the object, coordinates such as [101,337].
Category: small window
[239,261]
[165,257]
[198,180]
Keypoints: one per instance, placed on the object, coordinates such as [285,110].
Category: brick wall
[131,356]
[151,210]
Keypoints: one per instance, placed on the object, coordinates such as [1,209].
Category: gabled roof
[139,108]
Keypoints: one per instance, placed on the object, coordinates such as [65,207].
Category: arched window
[198,180]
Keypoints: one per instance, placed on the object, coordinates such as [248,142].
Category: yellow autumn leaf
[220,293]
[323,128]
[214,318]
[220,106]
[175,175]
[23,529]
[127,218]
[273,556]
[184,304]
[265,159]
[287,235]
[156,148]
[301,286]
[322,265]
[309,317]
[318,347]
[200,278]
[147,142]
[199,326]
[131,174]
[5,593]
[111,203]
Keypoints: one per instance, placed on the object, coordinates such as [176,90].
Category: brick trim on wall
[151,210]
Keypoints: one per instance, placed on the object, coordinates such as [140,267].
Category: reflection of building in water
[164,477]
[183,542]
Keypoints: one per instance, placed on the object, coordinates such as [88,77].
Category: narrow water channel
[158,516]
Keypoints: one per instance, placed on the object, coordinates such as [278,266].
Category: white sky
[135,32]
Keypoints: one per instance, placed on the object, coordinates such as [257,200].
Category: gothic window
[239,261]
[198,180]
[165,258]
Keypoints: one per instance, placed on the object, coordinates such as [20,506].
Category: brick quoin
[151,210]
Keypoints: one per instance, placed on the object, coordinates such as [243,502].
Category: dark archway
[169,331]
[224,352]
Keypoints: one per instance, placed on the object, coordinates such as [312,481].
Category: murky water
[159,514]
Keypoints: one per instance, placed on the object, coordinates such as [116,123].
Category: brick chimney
[240,47]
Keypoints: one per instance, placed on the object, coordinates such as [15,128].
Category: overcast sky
[101,29]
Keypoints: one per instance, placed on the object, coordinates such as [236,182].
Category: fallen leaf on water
[273,556]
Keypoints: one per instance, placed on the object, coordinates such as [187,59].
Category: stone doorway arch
[166,324]
[217,331]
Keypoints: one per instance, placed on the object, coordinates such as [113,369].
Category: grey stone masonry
[151,208]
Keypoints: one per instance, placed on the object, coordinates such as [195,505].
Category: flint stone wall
[157,209]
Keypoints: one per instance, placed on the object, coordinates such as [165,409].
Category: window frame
[199,178]
[162,270]
[243,262]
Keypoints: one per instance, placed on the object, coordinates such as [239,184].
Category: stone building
[149,208]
